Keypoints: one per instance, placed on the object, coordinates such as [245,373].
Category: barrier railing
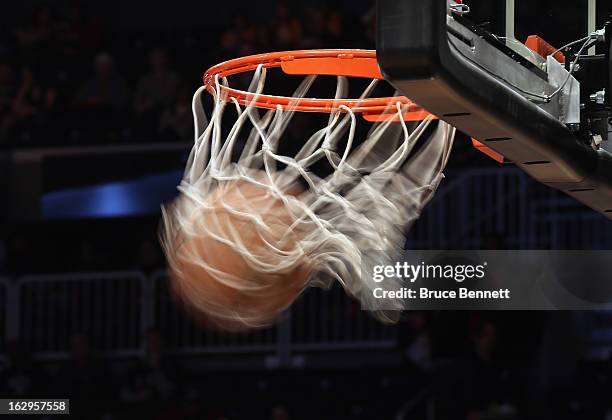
[476,203]
[327,319]
[574,230]
[116,309]
[506,203]
[107,307]
[182,335]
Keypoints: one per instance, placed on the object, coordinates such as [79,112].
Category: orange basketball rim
[349,63]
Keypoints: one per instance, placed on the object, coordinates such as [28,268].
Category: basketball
[213,257]
[306,209]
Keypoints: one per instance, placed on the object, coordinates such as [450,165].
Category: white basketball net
[377,189]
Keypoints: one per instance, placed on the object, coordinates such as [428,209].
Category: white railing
[476,203]
[574,230]
[115,310]
[108,307]
[182,335]
[323,319]
[527,215]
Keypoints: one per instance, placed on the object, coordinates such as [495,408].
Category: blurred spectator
[8,88]
[32,110]
[83,379]
[35,36]
[279,412]
[228,43]
[75,33]
[369,22]
[334,27]
[187,407]
[57,39]
[289,32]
[485,342]
[288,27]
[106,89]
[487,391]
[176,122]
[415,341]
[156,92]
[102,99]
[17,372]
[159,373]
[315,30]
[8,91]
[148,385]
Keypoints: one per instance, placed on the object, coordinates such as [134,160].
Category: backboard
[545,112]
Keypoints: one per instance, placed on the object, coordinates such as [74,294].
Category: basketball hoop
[374,187]
[347,63]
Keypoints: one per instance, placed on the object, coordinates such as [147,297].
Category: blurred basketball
[229,262]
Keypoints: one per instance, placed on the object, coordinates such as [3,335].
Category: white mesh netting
[376,188]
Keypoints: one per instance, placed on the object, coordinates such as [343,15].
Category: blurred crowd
[464,366]
[65,79]
[96,245]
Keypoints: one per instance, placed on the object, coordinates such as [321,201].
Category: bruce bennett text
[425,293]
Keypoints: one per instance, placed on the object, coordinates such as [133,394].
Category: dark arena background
[95,130]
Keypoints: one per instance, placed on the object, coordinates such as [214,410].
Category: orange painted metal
[498,157]
[350,63]
[540,46]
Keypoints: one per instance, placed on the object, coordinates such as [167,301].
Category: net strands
[377,188]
